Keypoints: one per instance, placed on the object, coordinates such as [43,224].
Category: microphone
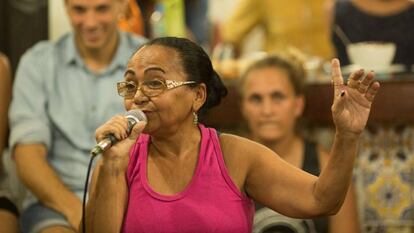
[133,116]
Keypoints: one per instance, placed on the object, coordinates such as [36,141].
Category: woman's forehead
[157,52]
[155,55]
[268,75]
[268,78]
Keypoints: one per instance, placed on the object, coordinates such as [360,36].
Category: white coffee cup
[372,55]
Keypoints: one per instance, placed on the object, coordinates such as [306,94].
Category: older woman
[175,175]
[272,91]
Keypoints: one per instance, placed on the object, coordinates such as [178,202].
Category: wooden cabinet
[393,104]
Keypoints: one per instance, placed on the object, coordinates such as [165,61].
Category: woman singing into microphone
[173,174]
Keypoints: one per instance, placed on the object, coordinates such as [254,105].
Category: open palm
[352,102]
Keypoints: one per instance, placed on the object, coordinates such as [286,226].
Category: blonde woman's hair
[288,63]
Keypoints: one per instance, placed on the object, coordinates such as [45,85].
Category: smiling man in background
[63,91]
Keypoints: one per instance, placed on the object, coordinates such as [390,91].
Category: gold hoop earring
[195,120]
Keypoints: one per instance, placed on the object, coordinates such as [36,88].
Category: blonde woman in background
[272,91]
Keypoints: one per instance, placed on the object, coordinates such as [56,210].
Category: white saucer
[394,68]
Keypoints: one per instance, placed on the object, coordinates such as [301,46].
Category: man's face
[94,21]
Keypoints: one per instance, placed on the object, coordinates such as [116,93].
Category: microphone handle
[103,145]
[110,140]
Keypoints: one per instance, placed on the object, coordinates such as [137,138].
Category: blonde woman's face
[269,104]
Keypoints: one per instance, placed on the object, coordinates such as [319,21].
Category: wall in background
[22,24]
[58,21]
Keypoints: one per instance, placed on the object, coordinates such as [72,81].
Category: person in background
[8,210]
[173,174]
[298,24]
[198,24]
[381,21]
[63,90]
[376,20]
[132,20]
[195,15]
[272,101]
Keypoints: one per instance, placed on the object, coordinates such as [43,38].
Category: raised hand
[352,102]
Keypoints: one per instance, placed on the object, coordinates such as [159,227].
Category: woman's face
[269,104]
[172,108]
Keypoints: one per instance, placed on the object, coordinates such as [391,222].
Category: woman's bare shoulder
[233,143]
[239,154]
[241,148]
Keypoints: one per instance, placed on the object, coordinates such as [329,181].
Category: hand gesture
[352,102]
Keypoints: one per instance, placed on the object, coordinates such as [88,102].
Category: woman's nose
[267,108]
[140,97]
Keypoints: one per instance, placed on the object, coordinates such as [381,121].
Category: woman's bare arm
[107,199]
[346,220]
[108,196]
[5,98]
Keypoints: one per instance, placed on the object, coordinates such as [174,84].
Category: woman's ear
[200,96]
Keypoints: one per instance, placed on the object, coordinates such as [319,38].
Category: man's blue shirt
[59,102]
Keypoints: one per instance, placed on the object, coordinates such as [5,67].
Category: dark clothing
[6,204]
[360,26]
[311,164]
[197,20]
[320,225]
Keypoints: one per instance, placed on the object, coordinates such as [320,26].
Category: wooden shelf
[393,104]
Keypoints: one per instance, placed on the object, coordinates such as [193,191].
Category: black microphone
[133,116]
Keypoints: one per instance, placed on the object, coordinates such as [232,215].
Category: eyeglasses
[149,88]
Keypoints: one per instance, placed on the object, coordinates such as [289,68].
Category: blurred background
[371,34]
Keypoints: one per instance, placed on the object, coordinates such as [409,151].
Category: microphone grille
[138,114]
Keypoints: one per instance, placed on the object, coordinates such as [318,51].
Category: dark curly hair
[197,65]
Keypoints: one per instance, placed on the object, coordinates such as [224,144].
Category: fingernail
[342,93]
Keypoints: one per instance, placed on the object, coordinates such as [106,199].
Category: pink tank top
[211,202]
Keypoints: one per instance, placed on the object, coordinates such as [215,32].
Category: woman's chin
[270,137]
